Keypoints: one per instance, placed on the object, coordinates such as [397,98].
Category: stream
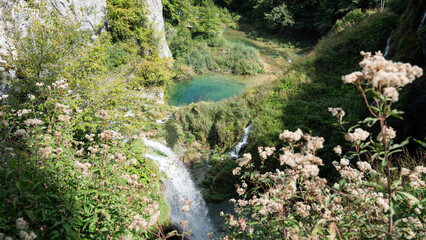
[204,218]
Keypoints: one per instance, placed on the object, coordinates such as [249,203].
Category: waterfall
[388,44]
[237,149]
[422,22]
[164,120]
[179,185]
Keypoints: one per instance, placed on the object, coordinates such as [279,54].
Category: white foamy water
[237,149]
[388,44]
[179,185]
[422,22]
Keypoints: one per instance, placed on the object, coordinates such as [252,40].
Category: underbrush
[64,181]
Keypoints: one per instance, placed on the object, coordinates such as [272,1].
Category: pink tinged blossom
[45,152]
[338,149]
[364,166]
[388,132]
[33,122]
[240,191]
[291,136]
[310,170]
[31,97]
[236,171]
[21,133]
[357,135]
[302,209]
[405,172]
[64,118]
[383,204]
[336,112]
[355,77]
[391,93]
[133,161]
[344,162]
[23,112]
[244,160]
[21,224]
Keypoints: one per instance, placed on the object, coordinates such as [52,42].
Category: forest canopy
[317,16]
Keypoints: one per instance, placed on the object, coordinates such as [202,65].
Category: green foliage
[43,54]
[56,177]
[370,34]
[66,183]
[397,6]
[318,16]
[280,17]
[406,43]
[351,19]
[151,71]
[293,201]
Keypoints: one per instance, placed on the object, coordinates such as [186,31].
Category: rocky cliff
[15,14]
[155,16]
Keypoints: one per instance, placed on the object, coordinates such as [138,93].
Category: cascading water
[388,44]
[179,185]
[164,120]
[237,149]
[422,22]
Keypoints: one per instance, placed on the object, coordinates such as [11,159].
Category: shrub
[59,182]
[351,19]
[293,202]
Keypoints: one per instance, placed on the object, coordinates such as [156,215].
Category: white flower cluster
[385,76]
[336,112]
[33,122]
[357,136]
[110,134]
[388,132]
[139,223]
[82,167]
[291,136]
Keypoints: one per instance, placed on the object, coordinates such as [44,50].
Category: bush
[351,19]
[61,182]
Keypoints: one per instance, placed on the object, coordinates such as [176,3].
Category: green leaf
[410,196]
[405,142]
[370,121]
[317,228]
[420,142]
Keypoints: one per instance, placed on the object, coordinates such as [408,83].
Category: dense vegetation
[372,200]
[71,154]
[194,33]
[281,15]
[72,164]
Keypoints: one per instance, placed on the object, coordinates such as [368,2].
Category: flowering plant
[58,181]
[367,203]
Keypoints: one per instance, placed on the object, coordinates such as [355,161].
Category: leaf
[317,228]
[411,197]
[370,121]
[420,142]
[405,142]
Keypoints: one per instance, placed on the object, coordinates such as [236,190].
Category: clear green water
[213,87]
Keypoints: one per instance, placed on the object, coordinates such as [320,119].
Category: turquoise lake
[214,87]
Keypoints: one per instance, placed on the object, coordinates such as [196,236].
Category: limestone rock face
[155,16]
[91,13]
[15,15]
